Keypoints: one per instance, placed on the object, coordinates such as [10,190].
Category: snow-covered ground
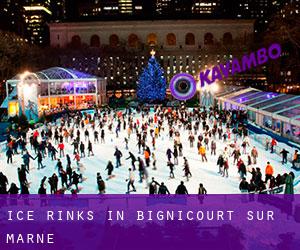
[205,173]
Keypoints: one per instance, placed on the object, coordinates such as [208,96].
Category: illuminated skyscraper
[206,6]
[125,6]
[163,6]
[37,14]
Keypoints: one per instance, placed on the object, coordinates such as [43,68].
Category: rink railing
[3,146]
[276,190]
[261,138]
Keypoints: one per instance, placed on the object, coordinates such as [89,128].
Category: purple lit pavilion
[275,112]
[53,90]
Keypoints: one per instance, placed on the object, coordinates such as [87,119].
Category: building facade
[172,34]
[120,50]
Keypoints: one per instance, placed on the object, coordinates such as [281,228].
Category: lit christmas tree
[152,82]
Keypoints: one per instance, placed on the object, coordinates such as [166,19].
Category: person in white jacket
[130,181]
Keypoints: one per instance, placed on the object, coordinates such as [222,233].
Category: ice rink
[206,173]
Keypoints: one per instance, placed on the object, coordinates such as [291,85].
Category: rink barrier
[261,138]
[277,190]
[3,147]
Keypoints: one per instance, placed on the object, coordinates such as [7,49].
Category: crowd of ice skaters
[206,128]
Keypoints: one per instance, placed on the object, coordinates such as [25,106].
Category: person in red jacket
[61,148]
[273,144]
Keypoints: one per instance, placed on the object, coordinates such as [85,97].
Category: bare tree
[13,50]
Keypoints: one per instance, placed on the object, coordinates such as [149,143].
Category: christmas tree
[152,83]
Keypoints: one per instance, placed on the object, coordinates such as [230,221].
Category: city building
[12,16]
[125,6]
[120,50]
[37,14]
[207,7]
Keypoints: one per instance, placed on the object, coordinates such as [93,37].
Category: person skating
[53,152]
[53,181]
[213,146]
[153,161]
[141,169]
[289,183]
[295,158]
[75,180]
[26,159]
[86,135]
[254,155]
[130,181]
[236,155]
[244,186]
[202,152]
[77,159]
[153,142]
[25,189]
[171,167]
[226,162]
[109,169]
[181,189]
[133,160]
[163,189]
[202,189]
[3,183]
[102,136]
[96,134]
[258,177]
[42,189]
[139,144]
[22,175]
[64,178]
[241,169]
[82,150]
[169,154]
[13,189]
[269,171]
[61,147]
[118,154]
[186,169]
[180,149]
[75,147]
[191,139]
[153,187]
[244,146]
[220,163]
[100,184]
[252,187]
[9,154]
[59,166]
[90,149]
[68,160]
[175,155]
[284,154]
[273,144]
[126,143]
[39,158]
[267,144]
